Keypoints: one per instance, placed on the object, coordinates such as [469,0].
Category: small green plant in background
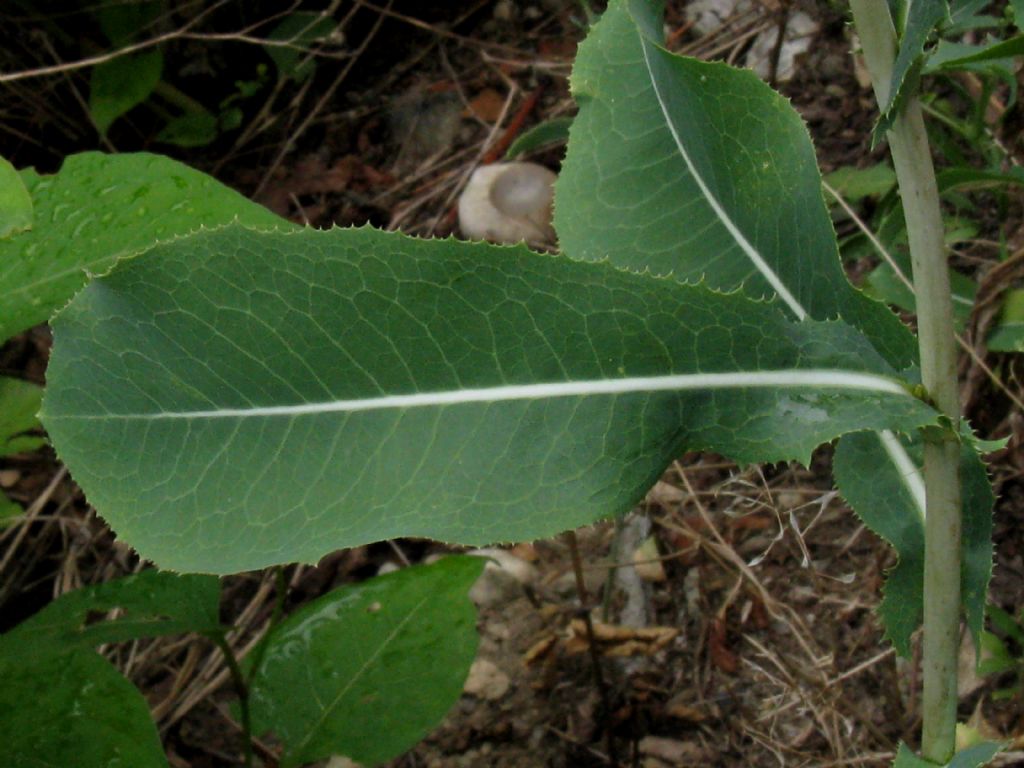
[254,393]
[134,65]
[1002,651]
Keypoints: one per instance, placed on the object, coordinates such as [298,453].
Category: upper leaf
[921,17]
[237,399]
[367,670]
[100,208]
[701,171]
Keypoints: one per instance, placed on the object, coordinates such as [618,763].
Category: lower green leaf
[972,757]
[73,709]
[368,670]
[890,507]
[976,557]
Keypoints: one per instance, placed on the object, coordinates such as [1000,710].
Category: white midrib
[752,253]
[796,379]
[907,469]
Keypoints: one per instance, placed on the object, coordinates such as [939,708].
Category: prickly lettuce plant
[256,394]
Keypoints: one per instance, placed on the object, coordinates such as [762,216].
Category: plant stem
[595,656]
[908,143]
[241,690]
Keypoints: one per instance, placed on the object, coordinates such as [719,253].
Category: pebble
[672,751]
[503,578]
[800,32]
[486,681]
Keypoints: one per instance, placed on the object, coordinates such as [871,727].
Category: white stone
[486,681]
[800,32]
[708,15]
[503,578]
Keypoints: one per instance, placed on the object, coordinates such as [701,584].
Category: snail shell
[508,203]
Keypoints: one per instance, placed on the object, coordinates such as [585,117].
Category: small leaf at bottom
[368,670]
[73,710]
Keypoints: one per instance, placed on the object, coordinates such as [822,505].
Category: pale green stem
[908,143]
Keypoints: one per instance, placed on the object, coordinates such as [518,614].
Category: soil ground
[739,628]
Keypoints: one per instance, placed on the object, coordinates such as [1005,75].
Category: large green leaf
[152,603]
[236,399]
[15,203]
[19,404]
[100,208]
[76,710]
[884,502]
[369,670]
